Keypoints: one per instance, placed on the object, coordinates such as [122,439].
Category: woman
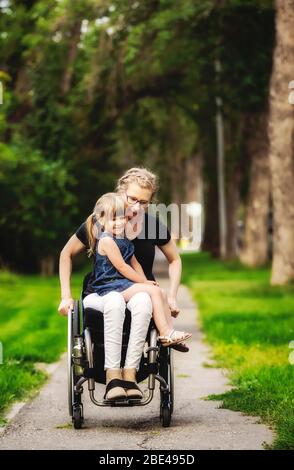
[137,186]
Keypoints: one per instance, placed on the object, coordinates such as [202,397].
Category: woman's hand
[173,305]
[65,304]
[153,283]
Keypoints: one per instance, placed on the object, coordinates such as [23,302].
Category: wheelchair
[86,363]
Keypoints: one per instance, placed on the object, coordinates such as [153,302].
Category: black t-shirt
[154,233]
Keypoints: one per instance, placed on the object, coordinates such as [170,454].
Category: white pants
[113,307]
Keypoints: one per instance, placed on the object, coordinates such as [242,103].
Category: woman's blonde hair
[141,176]
[107,206]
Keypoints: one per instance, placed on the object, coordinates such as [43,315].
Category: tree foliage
[94,86]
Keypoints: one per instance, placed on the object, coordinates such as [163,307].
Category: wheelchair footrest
[126,402]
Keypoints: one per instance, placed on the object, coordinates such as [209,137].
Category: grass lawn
[31,330]
[249,325]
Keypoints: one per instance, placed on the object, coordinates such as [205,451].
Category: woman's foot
[114,389]
[132,390]
[174,337]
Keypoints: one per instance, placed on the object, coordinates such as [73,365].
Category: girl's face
[116,225]
[137,199]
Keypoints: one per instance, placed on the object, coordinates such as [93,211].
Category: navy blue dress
[107,277]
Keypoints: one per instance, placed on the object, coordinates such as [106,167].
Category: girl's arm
[72,248]
[137,266]
[109,248]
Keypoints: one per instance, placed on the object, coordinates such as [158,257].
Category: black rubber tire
[166,416]
[76,327]
[77,417]
[74,398]
[166,371]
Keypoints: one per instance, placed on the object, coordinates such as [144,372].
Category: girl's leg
[140,306]
[180,346]
[167,312]
[155,293]
[113,306]
[161,313]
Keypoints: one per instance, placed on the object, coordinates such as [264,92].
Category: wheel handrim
[69,364]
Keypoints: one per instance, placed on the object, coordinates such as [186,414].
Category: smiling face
[137,199]
[116,225]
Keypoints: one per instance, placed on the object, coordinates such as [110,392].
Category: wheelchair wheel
[77,416]
[166,370]
[75,407]
[166,397]
[166,416]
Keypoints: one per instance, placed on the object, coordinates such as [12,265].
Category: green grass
[250,325]
[31,330]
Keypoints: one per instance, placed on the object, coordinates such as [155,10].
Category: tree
[255,248]
[37,203]
[281,135]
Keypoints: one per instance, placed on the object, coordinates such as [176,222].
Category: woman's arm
[109,248]
[72,248]
[175,270]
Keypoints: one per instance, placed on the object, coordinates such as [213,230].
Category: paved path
[197,424]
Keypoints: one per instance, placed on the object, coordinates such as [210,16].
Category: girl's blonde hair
[107,206]
[141,176]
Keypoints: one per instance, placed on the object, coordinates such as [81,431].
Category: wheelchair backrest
[86,281]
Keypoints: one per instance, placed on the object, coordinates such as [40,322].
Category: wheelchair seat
[93,319]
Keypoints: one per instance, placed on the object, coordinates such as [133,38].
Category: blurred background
[93,87]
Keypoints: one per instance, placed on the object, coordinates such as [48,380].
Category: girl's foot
[131,388]
[114,385]
[174,337]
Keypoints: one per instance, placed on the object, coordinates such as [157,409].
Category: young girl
[117,269]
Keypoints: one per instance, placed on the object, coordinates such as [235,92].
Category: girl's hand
[153,283]
[64,305]
[173,305]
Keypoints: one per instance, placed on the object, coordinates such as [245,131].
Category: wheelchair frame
[156,365]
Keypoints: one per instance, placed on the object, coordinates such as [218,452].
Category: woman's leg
[140,306]
[113,307]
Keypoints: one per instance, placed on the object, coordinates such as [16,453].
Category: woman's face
[137,199]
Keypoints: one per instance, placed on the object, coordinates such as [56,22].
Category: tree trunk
[193,179]
[47,266]
[193,187]
[175,159]
[176,178]
[256,237]
[232,206]
[211,215]
[221,179]
[72,53]
[281,135]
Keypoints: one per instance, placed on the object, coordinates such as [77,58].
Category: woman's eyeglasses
[133,200]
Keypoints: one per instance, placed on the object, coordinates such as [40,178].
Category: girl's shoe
[114,385]
[129,379]
[115,390]
[175,337]
[132,390]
